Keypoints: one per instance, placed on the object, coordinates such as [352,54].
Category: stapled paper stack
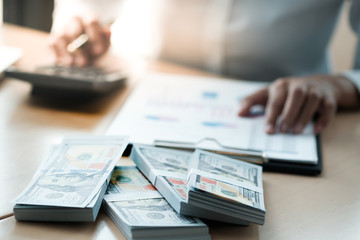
[70,184]
[203,184]
[140,212]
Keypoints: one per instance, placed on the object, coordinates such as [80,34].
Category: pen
[82,40]
[78,43]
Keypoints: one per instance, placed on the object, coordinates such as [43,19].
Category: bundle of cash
[140,212]
[204,184]
[70,184]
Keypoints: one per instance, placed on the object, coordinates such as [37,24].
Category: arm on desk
[297,100]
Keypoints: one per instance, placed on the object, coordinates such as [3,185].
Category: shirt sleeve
[64,10]
[354,75]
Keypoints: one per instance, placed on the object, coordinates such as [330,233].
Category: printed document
[201,112]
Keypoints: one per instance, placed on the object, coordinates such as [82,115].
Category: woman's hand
[296,100]
[98,41]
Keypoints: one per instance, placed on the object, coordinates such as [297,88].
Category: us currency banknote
[127,183]
[227,168]
[179,186]
[161,159]
[152,212]
[74,173]
[135,202]
[227,190]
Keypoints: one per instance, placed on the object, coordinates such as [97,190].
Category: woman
[282,42]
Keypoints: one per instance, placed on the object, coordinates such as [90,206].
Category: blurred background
[37,14]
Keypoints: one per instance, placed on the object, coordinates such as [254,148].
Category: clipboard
[258,157]
[297,168]
[272,165]
[158,113]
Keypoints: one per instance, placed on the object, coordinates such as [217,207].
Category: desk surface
[298,207]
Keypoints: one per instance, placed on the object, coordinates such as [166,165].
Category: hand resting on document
[297,100]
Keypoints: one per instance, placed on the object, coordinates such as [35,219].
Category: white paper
[9,55]
[201,112]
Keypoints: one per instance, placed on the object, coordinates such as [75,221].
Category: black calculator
[81,80]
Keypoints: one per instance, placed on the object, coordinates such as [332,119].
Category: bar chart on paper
[198,112]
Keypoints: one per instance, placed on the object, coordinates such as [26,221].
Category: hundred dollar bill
[139,211]
[154,219]
[160,161]
[229,191]
[227,169]
[215,187]
[127,183]
[155,211]
[178,185]
[170,161]
[74,173]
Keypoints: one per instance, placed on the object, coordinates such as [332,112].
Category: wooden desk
[298,207]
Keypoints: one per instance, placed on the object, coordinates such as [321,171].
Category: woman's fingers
[257,98]
[97,44]
[310,107]
[276,100]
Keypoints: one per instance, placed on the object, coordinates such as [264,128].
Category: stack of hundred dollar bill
[70,184]
[204,184]
[141,213]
